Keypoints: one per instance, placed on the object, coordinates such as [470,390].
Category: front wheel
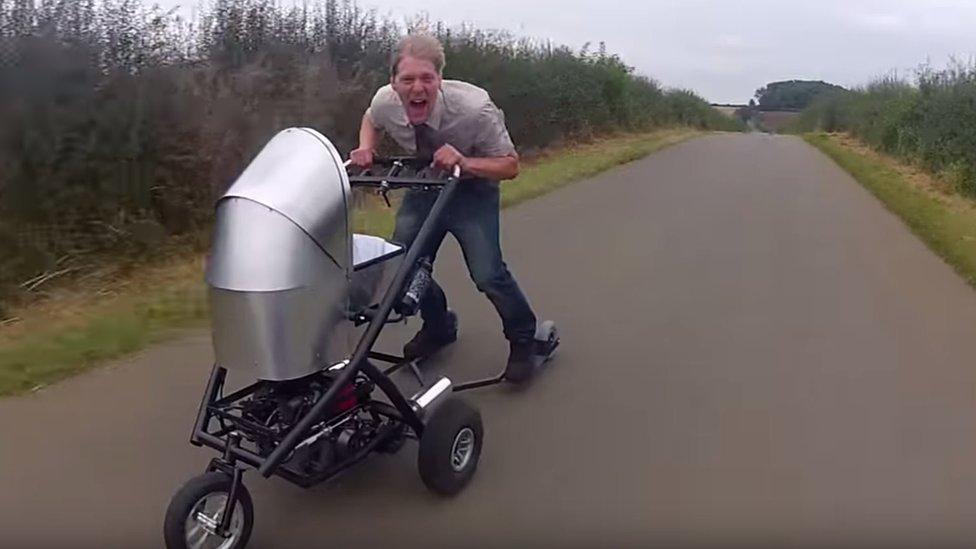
[450,447]
[196,510]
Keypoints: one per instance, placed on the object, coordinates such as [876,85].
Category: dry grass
[102,290]
[935,187]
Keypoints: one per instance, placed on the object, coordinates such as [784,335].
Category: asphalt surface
[755,354]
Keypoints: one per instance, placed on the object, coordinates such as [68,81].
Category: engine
[349,427]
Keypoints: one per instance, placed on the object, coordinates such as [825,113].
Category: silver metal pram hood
[300,174]
[281,259]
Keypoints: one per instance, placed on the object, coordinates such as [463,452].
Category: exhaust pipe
[428,399]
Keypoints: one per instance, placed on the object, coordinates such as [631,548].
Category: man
[456,124]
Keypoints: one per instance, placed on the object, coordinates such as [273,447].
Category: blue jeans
[472,217]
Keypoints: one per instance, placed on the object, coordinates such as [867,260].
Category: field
[775,121]
[728,110]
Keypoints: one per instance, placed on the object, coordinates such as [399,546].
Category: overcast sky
[724,50]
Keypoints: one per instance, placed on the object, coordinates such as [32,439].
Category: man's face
[417,82]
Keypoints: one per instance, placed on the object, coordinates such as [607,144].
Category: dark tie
[426,141]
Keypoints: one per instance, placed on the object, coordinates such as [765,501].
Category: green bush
[121,123]
[930,121]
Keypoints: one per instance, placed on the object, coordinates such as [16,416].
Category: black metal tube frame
[232,451]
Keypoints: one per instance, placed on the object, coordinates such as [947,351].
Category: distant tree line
[792,95]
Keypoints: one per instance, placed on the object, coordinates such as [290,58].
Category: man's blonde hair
[421,46]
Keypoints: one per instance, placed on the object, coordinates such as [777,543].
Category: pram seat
[369,249]
[375,262]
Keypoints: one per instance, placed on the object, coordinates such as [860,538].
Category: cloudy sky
[724,50]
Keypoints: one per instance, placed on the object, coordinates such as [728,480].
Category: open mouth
[417,110]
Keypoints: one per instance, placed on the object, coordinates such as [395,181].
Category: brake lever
[384,191]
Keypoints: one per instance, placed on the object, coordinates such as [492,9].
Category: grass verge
[72,333]
[946,222]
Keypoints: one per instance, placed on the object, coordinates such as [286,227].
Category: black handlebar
[399,172]
[415,162]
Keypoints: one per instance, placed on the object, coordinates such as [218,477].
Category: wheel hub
[462,449]
[204,520]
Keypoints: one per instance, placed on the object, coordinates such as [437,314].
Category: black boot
[428,342]
[521,365]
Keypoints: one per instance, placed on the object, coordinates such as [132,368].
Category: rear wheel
[450,447]
[196,510]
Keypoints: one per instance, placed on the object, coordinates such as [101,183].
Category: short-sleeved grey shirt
[463,116]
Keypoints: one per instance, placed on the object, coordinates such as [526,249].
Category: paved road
[755,354]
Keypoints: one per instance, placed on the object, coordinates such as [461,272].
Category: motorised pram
[298,302]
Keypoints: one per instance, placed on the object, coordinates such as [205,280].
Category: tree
[792,95]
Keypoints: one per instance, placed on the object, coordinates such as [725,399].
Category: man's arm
[497,168]
[494,156]
[500,168]
[368,137]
